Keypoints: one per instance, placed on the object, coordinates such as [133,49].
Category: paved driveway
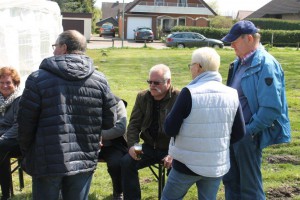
[97,42]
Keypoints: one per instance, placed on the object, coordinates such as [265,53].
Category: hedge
[276,24]
[280,37]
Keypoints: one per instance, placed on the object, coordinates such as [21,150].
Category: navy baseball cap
[239,28]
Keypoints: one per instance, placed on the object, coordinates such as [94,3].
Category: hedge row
[280,37]
[276,24]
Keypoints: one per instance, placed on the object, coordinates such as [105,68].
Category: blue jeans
[244,179]
[75,187]
[179,183]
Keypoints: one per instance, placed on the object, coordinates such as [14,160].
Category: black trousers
[112,156]
[7,146]
[130,167]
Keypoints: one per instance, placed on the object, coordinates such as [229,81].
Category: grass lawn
[127,70]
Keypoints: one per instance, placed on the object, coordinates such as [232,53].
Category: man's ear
[250,37]
[65,48]
[169,81]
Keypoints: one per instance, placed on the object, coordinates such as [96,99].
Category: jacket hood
[69,66]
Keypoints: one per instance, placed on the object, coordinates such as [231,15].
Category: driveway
[97,42]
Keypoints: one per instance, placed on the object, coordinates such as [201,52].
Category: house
[242,14]
[162,15]
[109,20]
[279,9]
[81,22]
[111,13]
[113,10]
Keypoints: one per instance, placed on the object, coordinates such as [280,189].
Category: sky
[225,7]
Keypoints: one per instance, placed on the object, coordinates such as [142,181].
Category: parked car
[143,33]
[191,39]
[107,29]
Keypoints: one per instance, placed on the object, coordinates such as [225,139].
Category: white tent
[28,28]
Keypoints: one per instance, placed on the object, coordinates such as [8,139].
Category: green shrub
[279,38]
[276,24]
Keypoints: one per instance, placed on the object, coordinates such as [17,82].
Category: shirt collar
[244,60]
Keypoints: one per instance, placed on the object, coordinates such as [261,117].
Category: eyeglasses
[190,65]
[155,82]
[54,46]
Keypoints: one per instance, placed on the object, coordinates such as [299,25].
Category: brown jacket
[141,119]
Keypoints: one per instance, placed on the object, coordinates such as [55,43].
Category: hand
[100,143]
[167,161]
[133,154]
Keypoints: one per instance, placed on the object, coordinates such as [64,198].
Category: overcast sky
[225,7]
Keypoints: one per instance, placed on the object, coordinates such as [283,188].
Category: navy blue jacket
[64,106]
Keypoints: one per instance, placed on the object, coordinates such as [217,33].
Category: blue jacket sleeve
[181,109]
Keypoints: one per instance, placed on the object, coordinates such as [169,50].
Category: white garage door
[133,22]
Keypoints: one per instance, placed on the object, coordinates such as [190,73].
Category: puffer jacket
[141,119]
[8,121]
[64,106]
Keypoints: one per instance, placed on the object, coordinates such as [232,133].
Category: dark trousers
[112,157]
[7,146]
[130,167]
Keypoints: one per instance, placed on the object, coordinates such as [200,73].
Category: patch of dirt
[283,193]
[147,180]
[283,159]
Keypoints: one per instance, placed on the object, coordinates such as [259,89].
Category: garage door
[133,22]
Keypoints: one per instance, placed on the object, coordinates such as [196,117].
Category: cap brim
[230,38]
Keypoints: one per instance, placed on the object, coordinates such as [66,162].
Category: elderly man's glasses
[190,65]
[54,46]
[155,82]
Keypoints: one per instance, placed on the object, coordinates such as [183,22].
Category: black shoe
[118,196]
[4,198]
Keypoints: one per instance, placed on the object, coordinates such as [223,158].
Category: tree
[220,22]
[214,5]
[80,6]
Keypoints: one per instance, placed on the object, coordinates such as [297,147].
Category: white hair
[207,57]
[161,67]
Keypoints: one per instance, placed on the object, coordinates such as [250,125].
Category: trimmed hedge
[276,24]
[280,38]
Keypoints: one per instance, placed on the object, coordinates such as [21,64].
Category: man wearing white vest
[205,119]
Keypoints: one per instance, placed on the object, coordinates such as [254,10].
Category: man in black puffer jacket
[64,107]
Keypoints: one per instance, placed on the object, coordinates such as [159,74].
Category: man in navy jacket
[63,108]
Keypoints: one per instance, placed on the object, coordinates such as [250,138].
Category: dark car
[191,39]
[143,34]
[107,29]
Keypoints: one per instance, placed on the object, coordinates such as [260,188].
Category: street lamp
[123,24]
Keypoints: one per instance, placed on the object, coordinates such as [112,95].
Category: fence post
[298,46]
[272,38]
[113,43]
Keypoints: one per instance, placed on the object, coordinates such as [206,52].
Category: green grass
[127,70]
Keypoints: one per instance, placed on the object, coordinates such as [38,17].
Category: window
[159,2]
[181,22]
[182,3]
[168,24]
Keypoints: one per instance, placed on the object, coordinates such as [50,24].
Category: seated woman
[9,101]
